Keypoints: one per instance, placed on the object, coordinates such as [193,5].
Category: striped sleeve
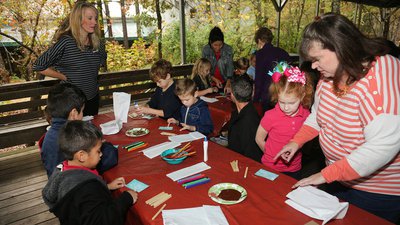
[382,145]
[50,57]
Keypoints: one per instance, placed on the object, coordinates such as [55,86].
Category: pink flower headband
[293,74]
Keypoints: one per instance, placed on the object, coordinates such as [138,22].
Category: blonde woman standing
[77,54]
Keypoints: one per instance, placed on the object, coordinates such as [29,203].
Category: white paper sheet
[209,100]
[186,137]
[317,204]
[205,215]
[185,172]
[156,150]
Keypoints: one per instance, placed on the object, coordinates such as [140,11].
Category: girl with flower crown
[292,91]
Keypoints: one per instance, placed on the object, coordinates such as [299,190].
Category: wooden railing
[22,105]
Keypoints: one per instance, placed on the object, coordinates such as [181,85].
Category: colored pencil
[191,178]
[133,144]
[197,184]
[138,147]
[195,181]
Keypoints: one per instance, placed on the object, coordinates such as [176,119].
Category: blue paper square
[137,185]
[266,174]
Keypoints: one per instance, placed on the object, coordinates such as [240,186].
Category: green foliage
[138,56]
[196,38]
[238,19]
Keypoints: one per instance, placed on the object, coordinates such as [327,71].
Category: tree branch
[20,43]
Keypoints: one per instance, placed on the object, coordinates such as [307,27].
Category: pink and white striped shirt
[359,132]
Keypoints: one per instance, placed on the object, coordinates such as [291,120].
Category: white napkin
[121,102]
[186,137]
[156,150]
[205,215]
[111,127]
[209,100]
[317,203]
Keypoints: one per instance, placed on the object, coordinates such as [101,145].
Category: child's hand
[218,83]
[215,89]
[172,120]
[134,195]
[117,183]
[142,110]
[187,127]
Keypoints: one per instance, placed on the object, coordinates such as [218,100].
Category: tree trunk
[260,19]
[359,15]
[108,18]
[322,8]
[301,13]
[123,21]
[336,6]
[208,7]
[138,24]
[101,18]
[159,26]
[385,17]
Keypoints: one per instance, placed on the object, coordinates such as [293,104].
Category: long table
[265,202]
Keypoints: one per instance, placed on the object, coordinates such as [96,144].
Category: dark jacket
[225,62]
[267,58]
[167,101]
[199,83]
[81,197]
[51,155]
[199,116]
[242,131]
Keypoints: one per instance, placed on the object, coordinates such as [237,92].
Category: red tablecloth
[265,202]
[220,112]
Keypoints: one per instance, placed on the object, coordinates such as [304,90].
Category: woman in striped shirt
[77,55]
[356,114]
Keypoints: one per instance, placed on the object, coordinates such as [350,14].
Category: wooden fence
[22,105]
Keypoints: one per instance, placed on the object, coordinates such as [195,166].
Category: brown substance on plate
[138,132]
[230,195]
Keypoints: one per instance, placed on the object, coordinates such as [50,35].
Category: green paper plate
[215,190]
[137,132]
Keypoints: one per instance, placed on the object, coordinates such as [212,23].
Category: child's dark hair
[63,98]
[78,135]
[264,34]
[288,87]
[198,65]
[185,86]
[160,70]
[215,35]
[242,63]
[242,88]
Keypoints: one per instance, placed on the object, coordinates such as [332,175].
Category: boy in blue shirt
[164,103]
[66,102]
[194,114]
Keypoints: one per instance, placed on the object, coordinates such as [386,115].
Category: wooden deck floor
[22,178]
